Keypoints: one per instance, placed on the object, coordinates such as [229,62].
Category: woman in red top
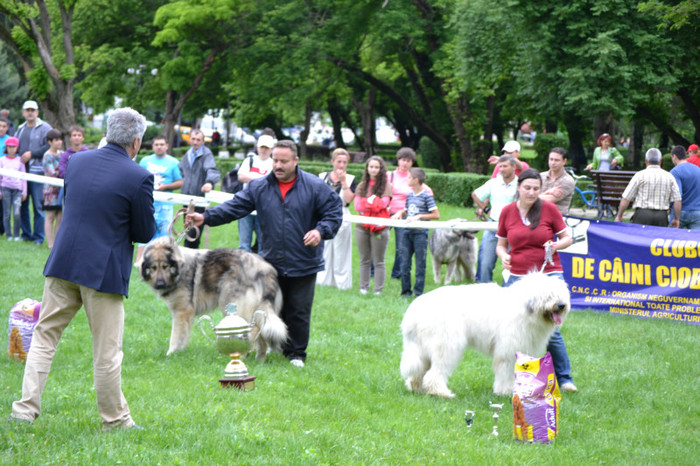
[525,229]
[372,198]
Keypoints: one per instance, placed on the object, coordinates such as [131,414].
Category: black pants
[658,218]
[298,296]
[189,241]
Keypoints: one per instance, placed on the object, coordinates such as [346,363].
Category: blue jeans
[246,226]
[487,257]
[398,236]
[556,346]
[35,192]
[690,219]
[413,242]
[11,202]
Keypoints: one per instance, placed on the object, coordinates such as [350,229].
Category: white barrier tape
[31,177]
[432,224]
[174,198]
[219,197]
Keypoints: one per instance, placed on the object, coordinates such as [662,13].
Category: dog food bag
[23,318]
[536,399]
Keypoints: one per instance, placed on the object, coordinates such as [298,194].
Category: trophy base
[246,384]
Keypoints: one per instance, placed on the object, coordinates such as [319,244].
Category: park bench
[609,187]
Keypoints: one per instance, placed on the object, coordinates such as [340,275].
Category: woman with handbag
[372,198]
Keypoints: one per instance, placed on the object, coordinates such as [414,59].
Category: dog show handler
[296,212]
[108,207]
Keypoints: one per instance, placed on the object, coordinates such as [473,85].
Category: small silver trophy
[469,418]
[497,409]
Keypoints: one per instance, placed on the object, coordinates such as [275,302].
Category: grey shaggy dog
[196,281]
[457,249]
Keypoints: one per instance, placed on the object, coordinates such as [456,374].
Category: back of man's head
[679,152]
[653,156]
[124,125]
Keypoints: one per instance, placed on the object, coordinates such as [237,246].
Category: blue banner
[636,270]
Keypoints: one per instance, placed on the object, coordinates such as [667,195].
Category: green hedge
[450,188]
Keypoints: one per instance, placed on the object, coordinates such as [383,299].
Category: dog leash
[548,255]
[178,237]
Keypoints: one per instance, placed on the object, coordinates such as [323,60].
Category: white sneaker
[568,387]
[363,291]
[377,293]
[18,238]
[296,362]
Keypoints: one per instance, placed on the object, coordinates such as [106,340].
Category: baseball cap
[12,141]
[266,141]
[30,104]
[511,146]
[691,148]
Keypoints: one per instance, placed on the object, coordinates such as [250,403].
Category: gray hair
[124,125]
[653,156]
[507,158]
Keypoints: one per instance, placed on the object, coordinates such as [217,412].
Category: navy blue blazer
[108,206]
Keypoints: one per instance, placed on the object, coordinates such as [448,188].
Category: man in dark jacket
[199,174]
[32,147]
[108,206]
[296,212]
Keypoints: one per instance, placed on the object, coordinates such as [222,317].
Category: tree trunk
[334,112]
[170,118]
[457,115]
[304,135]
[605,123]
[663,125]
[635,153]
[365,109]
[577,155]
[691,108]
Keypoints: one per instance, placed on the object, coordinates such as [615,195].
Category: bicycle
[588,197]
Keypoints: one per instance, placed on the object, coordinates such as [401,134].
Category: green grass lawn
[637,404]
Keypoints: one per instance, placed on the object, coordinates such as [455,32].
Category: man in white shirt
[499,192]
[252,168]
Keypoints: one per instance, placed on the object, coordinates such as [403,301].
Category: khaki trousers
[105,312]
[372,249]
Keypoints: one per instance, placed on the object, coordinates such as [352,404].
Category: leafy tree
[41,34]
[678,20]
[585,60]
[13,92]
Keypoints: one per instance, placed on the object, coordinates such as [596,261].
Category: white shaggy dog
[439,326]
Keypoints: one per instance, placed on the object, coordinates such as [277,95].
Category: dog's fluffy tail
[275,332]
[412,365]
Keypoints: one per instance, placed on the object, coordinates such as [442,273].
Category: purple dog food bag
[536,399]
[23,318]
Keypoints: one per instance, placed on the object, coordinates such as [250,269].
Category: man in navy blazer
[108,206]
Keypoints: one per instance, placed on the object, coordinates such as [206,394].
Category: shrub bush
[428,150]
[450,188]
[543,144]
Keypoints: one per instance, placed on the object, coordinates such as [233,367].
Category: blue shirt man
[167,178]
[687,177]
